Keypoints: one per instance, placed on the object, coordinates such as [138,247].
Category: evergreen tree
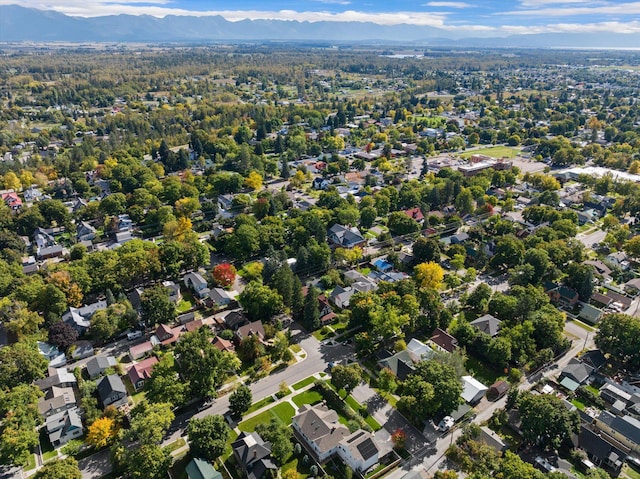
[297,299]
[311,313]
[284,172]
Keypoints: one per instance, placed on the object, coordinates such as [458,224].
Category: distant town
[300,262]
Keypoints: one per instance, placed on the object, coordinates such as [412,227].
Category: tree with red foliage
[399,438]
[224,274]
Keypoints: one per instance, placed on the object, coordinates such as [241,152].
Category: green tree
[157,308]
[426,250]
[401,224]
[546,421]
[279,435]
[311,312]
[387,381]
[164,385]
[580,278]
[464,201]
[20,363]
[240,400]
[618,336]
[260,301]
[200,364]
[346,377]
[208,437]
[59,469]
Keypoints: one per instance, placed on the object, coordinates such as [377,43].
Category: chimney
[255,453]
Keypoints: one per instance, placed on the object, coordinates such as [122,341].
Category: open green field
[494,151]
[283,412]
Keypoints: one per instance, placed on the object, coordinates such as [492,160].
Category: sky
[473,17]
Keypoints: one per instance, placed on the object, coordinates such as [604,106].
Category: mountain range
[19,24]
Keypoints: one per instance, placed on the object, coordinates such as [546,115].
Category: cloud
[581,8]
[601,27]
[447,4]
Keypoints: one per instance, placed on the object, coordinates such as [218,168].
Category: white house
[64,426]
[473,390]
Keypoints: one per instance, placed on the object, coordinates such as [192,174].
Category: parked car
[446,424]
[134,335]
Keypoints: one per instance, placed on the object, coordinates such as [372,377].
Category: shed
[473,390]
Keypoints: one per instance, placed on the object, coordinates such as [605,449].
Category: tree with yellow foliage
[185,207]
[254,181]
[177,230]
[429,275]
[102,432]
[12,182]
[63,281]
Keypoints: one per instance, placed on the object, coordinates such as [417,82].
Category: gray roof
[320,426]
[110,384]
[97,365]
[254,454]
[201,469]
[627,426]
[577,371]
[487,324]
[361,445]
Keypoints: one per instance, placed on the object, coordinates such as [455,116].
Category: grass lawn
[303,383]
[355,405]
[135,396]
[339,327]
[31,463]
[186,303]
[373,424]
[295,348]
[175,445]
[48,452]
[307,397]
[297,465]
[630,473]
[482,371]
[260,404]
[283,412]
[494,151]
[323,333]
[582,325]
[577,403]
[47,456]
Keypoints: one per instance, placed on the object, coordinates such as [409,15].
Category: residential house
[252,329]
[12,200]
[618,260]
[623,301]
[164,335]
[223,344]
[79,318]
[491,439]
[32,194]
[497,390]
[599,267]
[220,297]
[97,365]
[111,391]
[594,358]
[345,236]
[443,341]
[320,183]
[56,400]
[140,372]
[624,429]
[487,324]
[201,469]
[574,375]
[64,426]
[613,394]
[52,354]
[83,349]
[472,389]
[197,283]
[359,451]
[30,265]
[419,351]
[341,296]
[234,320]
[601,449]
[589,314]
[563,296]
[174,291]
[253,455]
[320,430]
[632,286]
[85,232]
[382,265]
[192,326]
[58,377]
[225,202]
[415,214]
[140,350]
[123,223]
[400,364]
[601,299]
[48,252]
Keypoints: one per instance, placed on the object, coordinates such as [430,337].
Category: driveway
[390,419]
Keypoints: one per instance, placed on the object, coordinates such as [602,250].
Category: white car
[446,424]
